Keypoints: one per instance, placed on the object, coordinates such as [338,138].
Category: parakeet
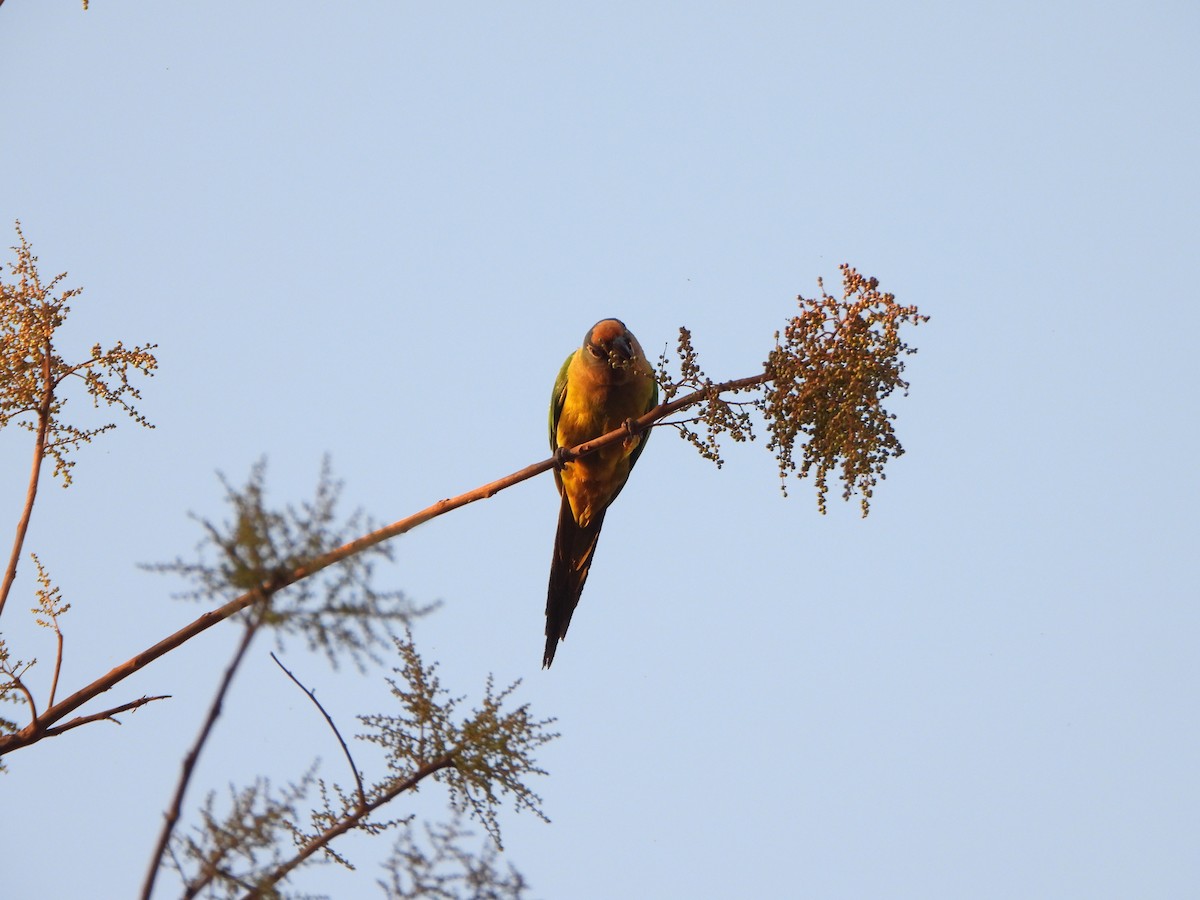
[602,385]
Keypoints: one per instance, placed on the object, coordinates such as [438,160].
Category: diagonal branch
[347,823]
[34,732]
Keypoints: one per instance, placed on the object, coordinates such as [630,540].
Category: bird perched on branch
[601,386]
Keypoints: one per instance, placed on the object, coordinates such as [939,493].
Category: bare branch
[193,755]
[362,799]
[108,714]
[58,658]
[39,453]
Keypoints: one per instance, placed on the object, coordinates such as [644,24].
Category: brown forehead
[606,330]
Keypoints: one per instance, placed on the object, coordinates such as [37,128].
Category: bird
[601,386]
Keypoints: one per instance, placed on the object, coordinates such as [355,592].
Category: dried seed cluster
[831,369]
[34,377]
[822,388]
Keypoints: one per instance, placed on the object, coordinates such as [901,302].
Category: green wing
[556,397]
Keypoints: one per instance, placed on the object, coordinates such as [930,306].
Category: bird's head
[610,344]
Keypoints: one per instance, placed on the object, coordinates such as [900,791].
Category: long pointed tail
[573,550]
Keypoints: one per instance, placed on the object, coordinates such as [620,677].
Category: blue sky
[375,231]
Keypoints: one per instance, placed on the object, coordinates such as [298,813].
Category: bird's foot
[633,437]
[560,458]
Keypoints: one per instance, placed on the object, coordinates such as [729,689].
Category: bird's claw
[560,458]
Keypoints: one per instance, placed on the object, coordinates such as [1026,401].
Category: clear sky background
[375,229]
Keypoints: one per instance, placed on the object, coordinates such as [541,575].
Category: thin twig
[193,755]
[58,659]
[362,797]
[16,679]
[32,733]
[109,714]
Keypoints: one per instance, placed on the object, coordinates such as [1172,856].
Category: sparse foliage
[481,758]
[440,868]
[716,414]
[491,751]
[230,851]
[341,613]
